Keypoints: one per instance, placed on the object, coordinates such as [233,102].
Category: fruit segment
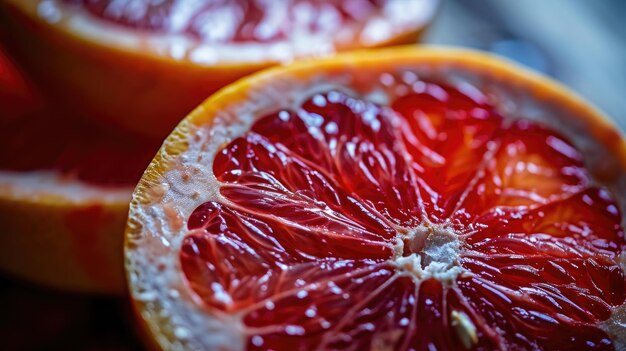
[428,223]
[531,167]
[351,141]
[447,134]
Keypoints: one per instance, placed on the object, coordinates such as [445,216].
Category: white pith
[433,252]
[36,186]
[398,17]
[155,276]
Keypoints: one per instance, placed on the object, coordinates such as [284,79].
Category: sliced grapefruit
[400,199]
[64,193]
[143,65]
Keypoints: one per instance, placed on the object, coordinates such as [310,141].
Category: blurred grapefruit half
[142,65]
[400,199]
[64,193]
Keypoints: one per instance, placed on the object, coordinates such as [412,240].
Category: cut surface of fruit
[403,199]
[64,193]
[155,61]
[241,21]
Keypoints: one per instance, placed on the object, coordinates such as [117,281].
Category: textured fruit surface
[429,224]
[240,20]
[414,199]
[155,61]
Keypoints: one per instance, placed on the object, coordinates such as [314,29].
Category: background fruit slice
[63,210]
[142,66]
[392,199]
[64,193]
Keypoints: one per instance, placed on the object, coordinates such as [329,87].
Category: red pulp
[429,223]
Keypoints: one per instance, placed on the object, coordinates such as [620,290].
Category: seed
[465,329]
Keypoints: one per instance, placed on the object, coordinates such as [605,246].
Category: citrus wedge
[143,65]
[399,199]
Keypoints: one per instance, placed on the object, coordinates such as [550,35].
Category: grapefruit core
[64,193]
[142,65]
[399,199]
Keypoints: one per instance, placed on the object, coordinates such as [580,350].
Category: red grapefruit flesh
[242,21]
[410,213]
[143,65]
[335,187]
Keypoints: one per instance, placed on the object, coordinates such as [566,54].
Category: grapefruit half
[143,65]
[399,199]
[64,197]
[64,193]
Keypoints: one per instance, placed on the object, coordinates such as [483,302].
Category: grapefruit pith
[400,199]
[143,65]
[64,193]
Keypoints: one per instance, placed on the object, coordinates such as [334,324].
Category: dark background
[579,42]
